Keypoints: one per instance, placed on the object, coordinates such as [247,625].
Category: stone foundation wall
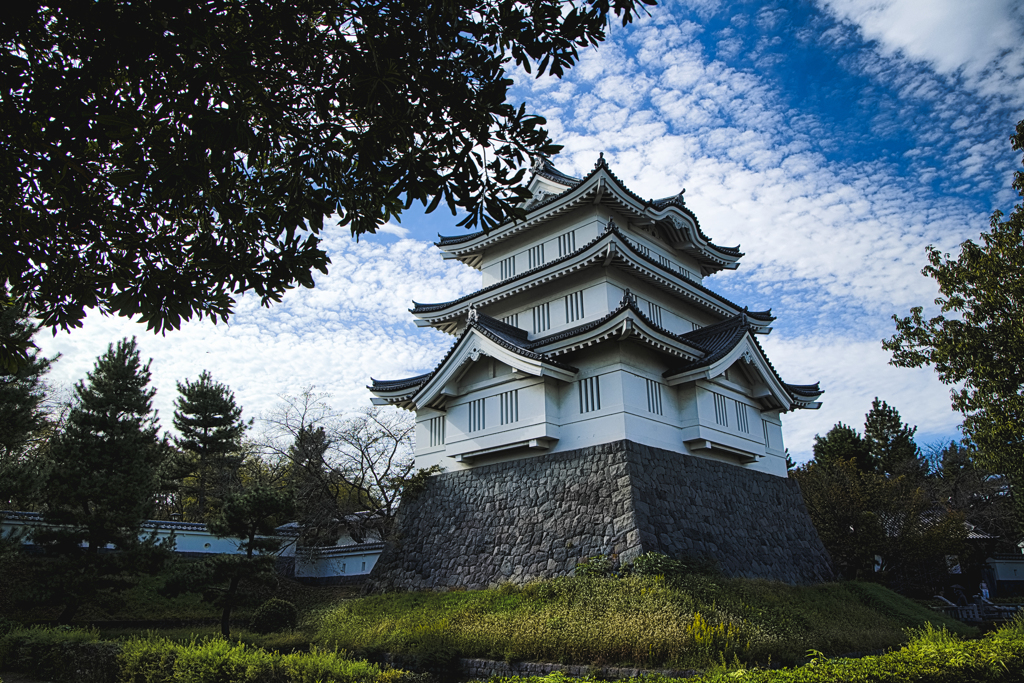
[537,517]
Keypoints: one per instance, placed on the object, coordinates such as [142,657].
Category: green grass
[692,622]
[931,656]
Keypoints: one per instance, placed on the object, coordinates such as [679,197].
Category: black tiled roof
[548,170]
[511,338]
[399,384]
[551,172]
[611,229]
[719,339]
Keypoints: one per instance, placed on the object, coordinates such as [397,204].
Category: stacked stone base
[537,517]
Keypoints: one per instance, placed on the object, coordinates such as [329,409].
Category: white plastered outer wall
[612,336]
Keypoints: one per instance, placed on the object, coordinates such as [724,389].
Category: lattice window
[574,306]
[436,426]
[541,318]
[741,417]
[653,396]
[695,326]
[566,243]
[721,410]
[512,320]
[590,394]
[509,406]
[654,311]
[536,256]
[477,415]
[508,267]
[663,260]
[642,249]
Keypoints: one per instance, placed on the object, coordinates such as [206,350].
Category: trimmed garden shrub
[273,616]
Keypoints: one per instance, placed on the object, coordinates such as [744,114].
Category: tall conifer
[211,428]
[102,480]
[22,417]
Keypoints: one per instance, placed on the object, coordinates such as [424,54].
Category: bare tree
[349,472]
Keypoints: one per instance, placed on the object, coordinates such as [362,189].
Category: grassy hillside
[691,622]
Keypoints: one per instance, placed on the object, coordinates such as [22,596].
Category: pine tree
[316,497]
[102,479]
[891,442]
[250,516]
[22,417]
[211,429]
[842,443]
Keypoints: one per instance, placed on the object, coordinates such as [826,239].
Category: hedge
[78,655]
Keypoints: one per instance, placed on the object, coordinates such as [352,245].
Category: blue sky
[833,141]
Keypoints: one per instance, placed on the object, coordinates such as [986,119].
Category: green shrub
[594,567]
[61,654]
[273,616]
[157,660]
[657,564]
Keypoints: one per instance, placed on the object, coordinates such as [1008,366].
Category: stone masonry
[537,517]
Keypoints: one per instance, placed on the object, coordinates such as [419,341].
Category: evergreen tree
[103,475]
[211,429]
[316,505]
[842,443]
[890,442]
[22,417]
[250,516]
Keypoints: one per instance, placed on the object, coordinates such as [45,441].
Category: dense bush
[273,616]
[692,621]
[77,655]
[59,654]
[156,660]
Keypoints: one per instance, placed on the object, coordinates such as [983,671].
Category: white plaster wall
[587,223]
[330,564]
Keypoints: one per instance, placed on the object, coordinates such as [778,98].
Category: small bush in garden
[596,566]
[274,615]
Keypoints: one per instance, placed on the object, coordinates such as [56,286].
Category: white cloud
[978,40]
[355,324]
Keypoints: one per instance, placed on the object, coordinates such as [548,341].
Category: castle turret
[592,326]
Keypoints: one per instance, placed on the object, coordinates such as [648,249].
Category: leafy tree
[319,511]
[842,443]
[890,442]
[250,516]
[861,516]
[211,427]
[161,158]
[23,417]
[976,343]
[360,464]
[103,476]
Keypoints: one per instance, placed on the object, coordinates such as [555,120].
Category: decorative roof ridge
[757,315]
[628,303]
[444,241]
[546,169]
[398,384]
[429,308]
[483,324]
[610,229]
[526,352]
[813,390]
[499,325]
[740,328]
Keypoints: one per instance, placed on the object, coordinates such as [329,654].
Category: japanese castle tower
[593,332]
[593,325]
